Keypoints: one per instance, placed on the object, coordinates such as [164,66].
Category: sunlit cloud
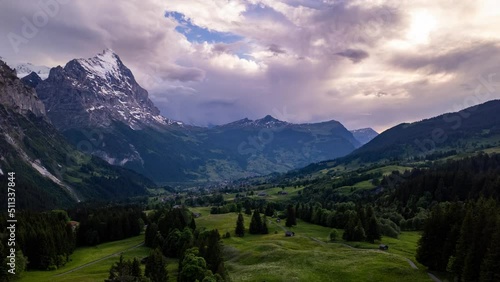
[364,63]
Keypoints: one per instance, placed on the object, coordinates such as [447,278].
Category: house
[289,234]
[383,247]
[282,193]
[262,194]
[196,214]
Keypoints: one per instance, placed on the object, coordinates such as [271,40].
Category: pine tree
[359,232]
[429,251]
[349,228]
[150,235]
[484,227]
[213,255]
[255,223]
[136,268]
[269,210]
[248,210]
[290,218]
[264,229]
[373,230]
[240,226]
[490,268]
[156,269]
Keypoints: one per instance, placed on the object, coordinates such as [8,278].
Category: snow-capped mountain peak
[106,64]
[267,122]
[97,92]
[25,69]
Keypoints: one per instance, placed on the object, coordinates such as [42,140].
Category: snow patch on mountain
[267,122]
[104,65]
[25,69]
[96,92]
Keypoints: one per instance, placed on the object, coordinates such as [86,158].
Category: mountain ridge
[95,92]
[51,172]
[100,94]
[364,135]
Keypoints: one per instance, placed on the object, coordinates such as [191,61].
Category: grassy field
[306,257]
[100,270]
[309,256]
[272,194]
[386,170]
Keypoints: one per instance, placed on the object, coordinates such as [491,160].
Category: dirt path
[433,277]
[98,260]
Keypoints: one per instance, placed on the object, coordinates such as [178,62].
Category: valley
[109,188]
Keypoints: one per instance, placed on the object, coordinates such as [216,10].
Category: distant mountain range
[66,132]
[364,135]
[100,95]
[25,69]
[468,131]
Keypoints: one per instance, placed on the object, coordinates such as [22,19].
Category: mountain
[32,80]
[469,129]
[270,145]
[23,70]
[49,171]
[265,122]
[364,135]
[99,107]
[15,95]
[95,92]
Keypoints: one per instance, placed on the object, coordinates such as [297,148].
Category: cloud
[354,55]
[183,74]
[448,60]
[364,63]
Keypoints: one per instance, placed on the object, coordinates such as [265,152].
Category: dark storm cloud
[184,74]
[355,55]
[219,103]
[275,49]
[220,48]
[448,61]
[313,60]
[345,24]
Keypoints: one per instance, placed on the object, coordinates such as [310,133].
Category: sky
[364,63]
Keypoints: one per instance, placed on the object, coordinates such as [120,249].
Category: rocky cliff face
[97,101]
[16,95]
[32,80]
[95,92]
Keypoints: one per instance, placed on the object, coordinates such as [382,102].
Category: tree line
[464,239]
[99,225]
[47,239]
[173,232]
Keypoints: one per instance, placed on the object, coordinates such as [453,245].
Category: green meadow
[309,256]
[93,263]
